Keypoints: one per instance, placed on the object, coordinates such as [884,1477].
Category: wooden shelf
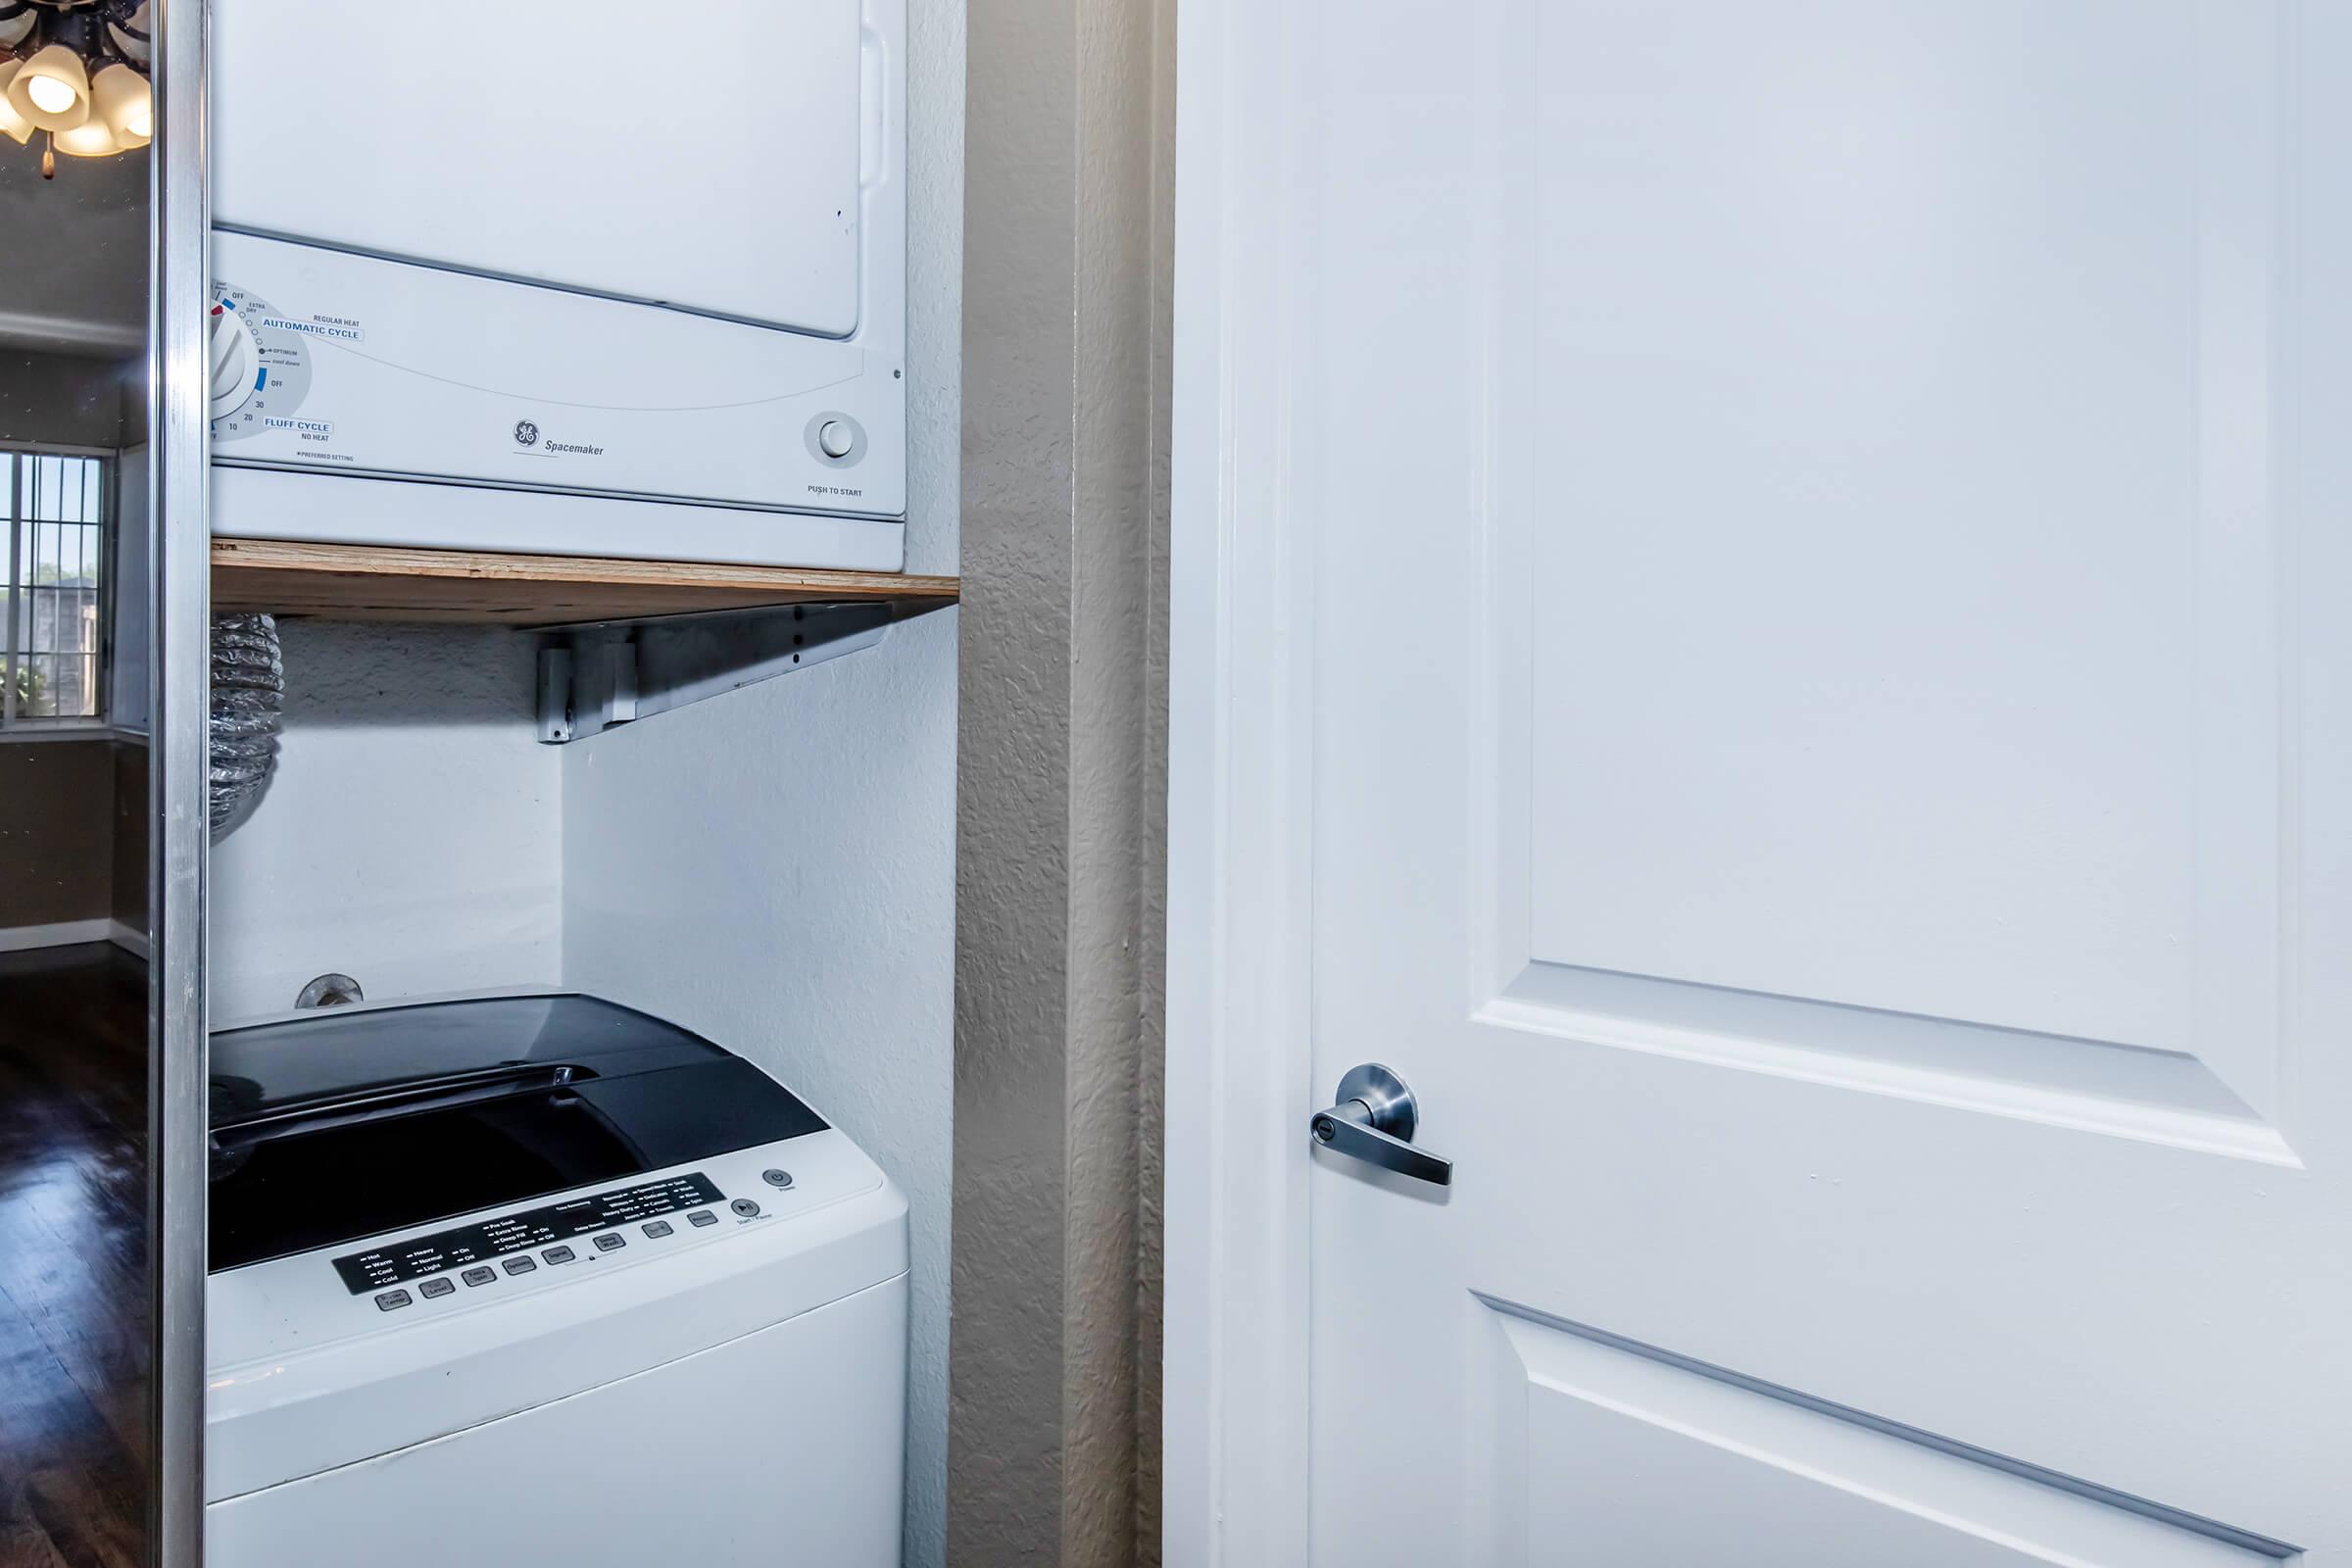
[372,583]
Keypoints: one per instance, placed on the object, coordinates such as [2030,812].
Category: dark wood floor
[72,1259]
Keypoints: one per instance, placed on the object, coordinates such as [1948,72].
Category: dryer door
[698,153]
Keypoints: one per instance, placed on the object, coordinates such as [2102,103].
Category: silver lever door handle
[1373,1120]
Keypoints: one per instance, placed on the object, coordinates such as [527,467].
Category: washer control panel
[519,1237]
[640,1232]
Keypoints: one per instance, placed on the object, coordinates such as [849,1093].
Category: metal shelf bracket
[595,676]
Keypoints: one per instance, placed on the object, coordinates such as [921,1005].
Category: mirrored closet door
[100,999]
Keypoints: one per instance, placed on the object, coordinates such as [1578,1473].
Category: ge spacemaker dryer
[597,279]
[539,1278]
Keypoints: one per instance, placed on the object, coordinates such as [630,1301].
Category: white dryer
[541,1279]
[606,279]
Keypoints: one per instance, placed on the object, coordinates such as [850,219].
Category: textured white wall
[774,869]
[412,835]
[1050,1442]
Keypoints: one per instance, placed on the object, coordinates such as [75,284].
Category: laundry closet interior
[573,468]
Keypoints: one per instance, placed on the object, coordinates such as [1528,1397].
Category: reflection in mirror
[74,856]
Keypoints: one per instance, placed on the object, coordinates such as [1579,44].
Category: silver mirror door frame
[179,678]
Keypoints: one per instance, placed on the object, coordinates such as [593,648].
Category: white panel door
[1830,773]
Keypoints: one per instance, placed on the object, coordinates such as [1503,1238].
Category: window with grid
[55,648]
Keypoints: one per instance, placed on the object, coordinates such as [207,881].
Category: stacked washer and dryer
[535,1278]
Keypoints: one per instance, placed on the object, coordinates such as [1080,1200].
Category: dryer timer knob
[236,363]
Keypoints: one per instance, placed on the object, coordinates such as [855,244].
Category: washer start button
[746,1206]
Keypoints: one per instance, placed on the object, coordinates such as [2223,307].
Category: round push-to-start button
[835,439]
[746,1206]
[778,1179]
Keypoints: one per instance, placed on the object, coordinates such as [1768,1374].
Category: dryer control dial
[260,369]
[236,363]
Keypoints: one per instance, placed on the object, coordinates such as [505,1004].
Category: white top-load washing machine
[600,278]
[539,1278]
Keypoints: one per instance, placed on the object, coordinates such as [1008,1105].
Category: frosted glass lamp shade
[92,138]
[119,97]
[135,40]
[52,90]
[13,125]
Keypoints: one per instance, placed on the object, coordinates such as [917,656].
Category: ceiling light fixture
[13,125]
[76,70]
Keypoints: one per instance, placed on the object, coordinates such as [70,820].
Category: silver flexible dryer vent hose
[249,682]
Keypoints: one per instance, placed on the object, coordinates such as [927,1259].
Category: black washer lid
[334,1053]
[335,1126]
